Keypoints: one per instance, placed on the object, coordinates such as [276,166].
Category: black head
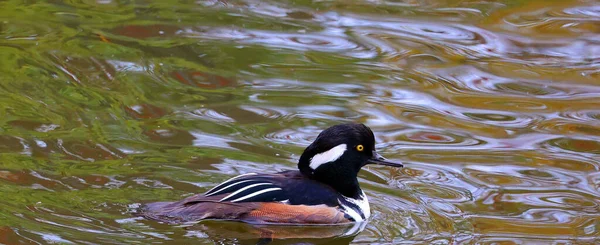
[337,155]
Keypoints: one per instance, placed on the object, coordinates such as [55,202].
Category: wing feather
[228,182]
[264,194]
[248,188]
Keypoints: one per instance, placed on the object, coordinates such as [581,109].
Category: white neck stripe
[362,207]
[329,156]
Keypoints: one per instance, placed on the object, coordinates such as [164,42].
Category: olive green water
[494,106]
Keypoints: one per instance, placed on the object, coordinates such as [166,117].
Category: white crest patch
[328,156]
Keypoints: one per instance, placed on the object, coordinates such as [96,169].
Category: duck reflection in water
[243,233]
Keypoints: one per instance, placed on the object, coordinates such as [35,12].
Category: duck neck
[348,187]
[344,182]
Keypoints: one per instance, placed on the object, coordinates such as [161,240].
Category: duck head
[337,155]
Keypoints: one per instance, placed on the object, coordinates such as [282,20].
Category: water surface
[494,106]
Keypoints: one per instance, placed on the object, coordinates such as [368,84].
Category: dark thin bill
[378,159]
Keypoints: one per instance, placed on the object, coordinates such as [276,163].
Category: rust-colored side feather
[295,214]
[197,208]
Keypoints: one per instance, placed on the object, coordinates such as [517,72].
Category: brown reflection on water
[145,111]
[8,236]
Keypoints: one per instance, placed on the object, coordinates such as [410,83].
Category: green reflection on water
[493,105]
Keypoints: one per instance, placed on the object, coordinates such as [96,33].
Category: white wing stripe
[243,189]
[229,180]
[226,187]
[256,194]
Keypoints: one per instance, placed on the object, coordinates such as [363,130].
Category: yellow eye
[360,148]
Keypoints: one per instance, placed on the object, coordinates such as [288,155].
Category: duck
[323,191]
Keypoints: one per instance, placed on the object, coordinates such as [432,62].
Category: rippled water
[494,106]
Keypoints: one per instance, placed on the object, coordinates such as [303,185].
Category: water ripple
[327,41]
[492,106]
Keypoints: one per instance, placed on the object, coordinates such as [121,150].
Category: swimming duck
[324,190]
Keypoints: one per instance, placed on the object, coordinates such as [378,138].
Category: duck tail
[186,211]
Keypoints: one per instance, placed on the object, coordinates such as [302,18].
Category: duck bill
[378,159]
